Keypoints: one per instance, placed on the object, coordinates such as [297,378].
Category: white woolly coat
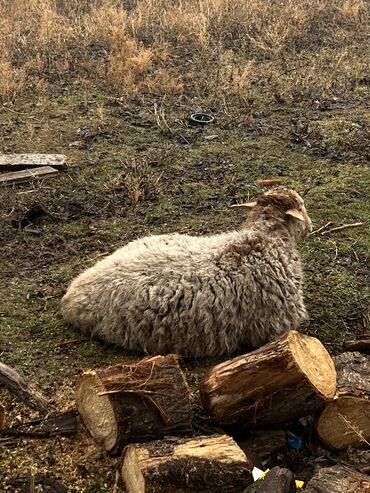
[195,296]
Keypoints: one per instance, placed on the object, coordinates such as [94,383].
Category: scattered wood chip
[16,162]
[42,482]
[27,175]
[17,384]
[56,424]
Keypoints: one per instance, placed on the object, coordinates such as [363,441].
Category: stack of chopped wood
[20,168]
[141,410]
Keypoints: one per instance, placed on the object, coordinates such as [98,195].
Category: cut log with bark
[207,464]
[278,480]
[18,385]
[56,424]
[286,379]
[360,345]
[134,402]
[2,416]
[338,479]
[346,420]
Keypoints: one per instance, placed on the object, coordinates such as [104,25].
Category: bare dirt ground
[137,167]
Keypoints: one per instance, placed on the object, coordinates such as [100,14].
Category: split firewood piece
[278,480]
[27,175]
[2,416]
[346,420]
[56,424]
[17,384]
[15,162]
[338,479]
[288,378]
[360,345]
[210,464]
[134,402]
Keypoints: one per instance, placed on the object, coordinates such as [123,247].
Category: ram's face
[293,205]
[303,211]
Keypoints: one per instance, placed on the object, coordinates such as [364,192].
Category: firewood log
[134,402]
[346,420]
[207,464]
[278,480]
[288,378]
[338,479]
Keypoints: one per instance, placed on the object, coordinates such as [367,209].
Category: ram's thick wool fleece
[199,296]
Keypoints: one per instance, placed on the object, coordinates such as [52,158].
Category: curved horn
[247,204]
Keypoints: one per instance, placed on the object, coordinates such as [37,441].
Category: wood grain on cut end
[135,402]
[315,362]
[345,421]
[96,409]
[208,464]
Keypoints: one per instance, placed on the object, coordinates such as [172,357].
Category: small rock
[211,137]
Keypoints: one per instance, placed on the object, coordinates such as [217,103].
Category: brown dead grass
[210,48]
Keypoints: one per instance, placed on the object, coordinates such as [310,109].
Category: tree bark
[338,479]
[360,345]
[56,424]
[135,402]
[17,384]
[2,416]
[212,464]
[346,420]
[278,480]
[264,443]
[288,378]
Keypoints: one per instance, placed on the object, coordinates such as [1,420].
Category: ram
[199,296]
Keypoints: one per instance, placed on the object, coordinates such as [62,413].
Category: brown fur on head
[288,203]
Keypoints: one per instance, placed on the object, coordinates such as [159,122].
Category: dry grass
[208,48]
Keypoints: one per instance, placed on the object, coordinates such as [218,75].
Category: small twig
[72,341]
[320,229]
[336,249]
[339,228]
[32,481]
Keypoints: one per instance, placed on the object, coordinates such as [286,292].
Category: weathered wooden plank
[16,162]
[27,175]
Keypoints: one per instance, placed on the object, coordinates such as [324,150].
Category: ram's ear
[295,213]
[249,205]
